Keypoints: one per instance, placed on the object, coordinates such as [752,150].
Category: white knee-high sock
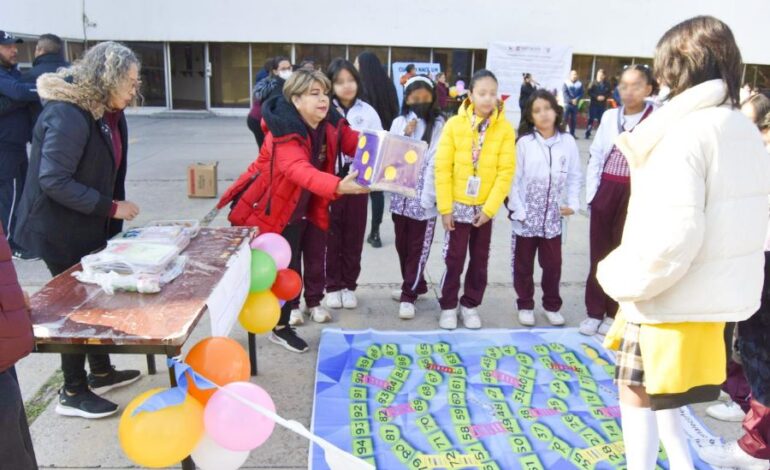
[640,437]
[674,439]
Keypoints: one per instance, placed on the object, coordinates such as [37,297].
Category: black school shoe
[374,240]
[85,404]
[115,379]
[287,337]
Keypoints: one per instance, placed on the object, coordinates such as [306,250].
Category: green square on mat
[363,446]
[591,437]
[488,363]
[385,398]
[359,411]
[464,434]
[457,399]
[423,350]
[364,363]
[521,397]
[390,350]
[561,447]
[478,451]
[358,393]
[528,372]
[360,428]
[541,349]
[510,350]
[512,425]
[452,359]
[612,430]
[374,352]
[494,393]
[427,424]
[433,378]
[439,441]
[403,451]
[441,348]
[460,416]
[573,422]
[520,444]
[490,466]
[400,374]
[494,352]
[390,433]
[530,462]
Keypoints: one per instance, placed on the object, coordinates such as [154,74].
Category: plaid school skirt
[629,368]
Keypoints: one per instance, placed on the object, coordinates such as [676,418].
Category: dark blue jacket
[572,91]
[15,125]
[46,63]
[599,89]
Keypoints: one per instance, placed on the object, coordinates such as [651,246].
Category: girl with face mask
[415,222]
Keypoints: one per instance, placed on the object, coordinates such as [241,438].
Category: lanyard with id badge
[474,182]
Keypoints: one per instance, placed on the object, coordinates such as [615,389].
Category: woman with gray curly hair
[74,197]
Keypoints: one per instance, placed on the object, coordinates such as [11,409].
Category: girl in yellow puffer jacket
[474,167]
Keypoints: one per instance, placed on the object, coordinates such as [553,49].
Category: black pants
[16,451]
[73,366]
[13,172]
[256,129]
[378,207]
[570,117]
[293,234]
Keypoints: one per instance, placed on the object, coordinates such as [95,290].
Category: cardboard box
[202,180]
[389,162]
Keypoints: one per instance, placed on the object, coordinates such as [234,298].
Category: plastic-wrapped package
[132,257]
[143,283]
[389,162]
[191,226]
[169,234]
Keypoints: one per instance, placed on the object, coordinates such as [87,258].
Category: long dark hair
[435,111]
[337,66]
[761,105]
[527,124]
[378,90]
[483,73]
[698,50]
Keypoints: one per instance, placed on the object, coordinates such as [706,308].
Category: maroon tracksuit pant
[308,245]
[608,216]
[756,424]
[413,241]
[345,241]
[465,238]
[548,252]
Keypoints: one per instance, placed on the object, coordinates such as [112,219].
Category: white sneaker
[396,295]
[406,311]
[320,315]
[349,299]
[723,396]
[448,319]
[732,456]
[527,317]
[589,326]
[604,328]
[334,299]
[728,411]
[471,319]
[554,318]
[297,317]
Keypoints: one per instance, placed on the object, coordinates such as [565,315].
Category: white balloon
[209,455]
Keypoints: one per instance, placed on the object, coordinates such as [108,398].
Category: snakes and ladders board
[492,400]
[389,162]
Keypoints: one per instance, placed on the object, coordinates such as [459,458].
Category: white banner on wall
[549,66]
[423,68]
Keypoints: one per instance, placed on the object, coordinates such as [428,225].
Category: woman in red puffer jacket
[288,189]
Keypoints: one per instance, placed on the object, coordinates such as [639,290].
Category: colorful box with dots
[389,162]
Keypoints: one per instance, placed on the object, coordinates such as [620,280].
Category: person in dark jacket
[380,93]
[268,87]
[16,341]
[442,90]
[73,201]
[527,88]
[600,91]
[572,91]
[48,58]
[288,189]
[15,132]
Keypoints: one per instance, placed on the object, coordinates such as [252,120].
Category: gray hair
[102,70]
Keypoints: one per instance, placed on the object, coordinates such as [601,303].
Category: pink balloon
[234,425]
[276,246]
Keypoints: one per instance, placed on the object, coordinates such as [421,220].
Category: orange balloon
[219,359]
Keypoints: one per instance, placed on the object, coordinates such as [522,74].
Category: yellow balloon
[453,92]
[158,439]
[390,173]
[365,157]
[362,142]
[410,157]
[260,312]
[368,174]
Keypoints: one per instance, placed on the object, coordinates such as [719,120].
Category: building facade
[204,54]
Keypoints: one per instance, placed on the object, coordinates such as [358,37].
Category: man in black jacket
[599,91]
[15,132]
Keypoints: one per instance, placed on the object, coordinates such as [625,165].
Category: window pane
[380,52]
[456,63]
[230,86]
[582,65]
[758,76]
[321,53]
[26,52]
[409,54]
[613,66]
[74,50]
[153,74]
[480,59]
[260,52]
[643,60]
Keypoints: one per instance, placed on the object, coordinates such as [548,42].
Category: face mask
[284,74]
[422,110]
